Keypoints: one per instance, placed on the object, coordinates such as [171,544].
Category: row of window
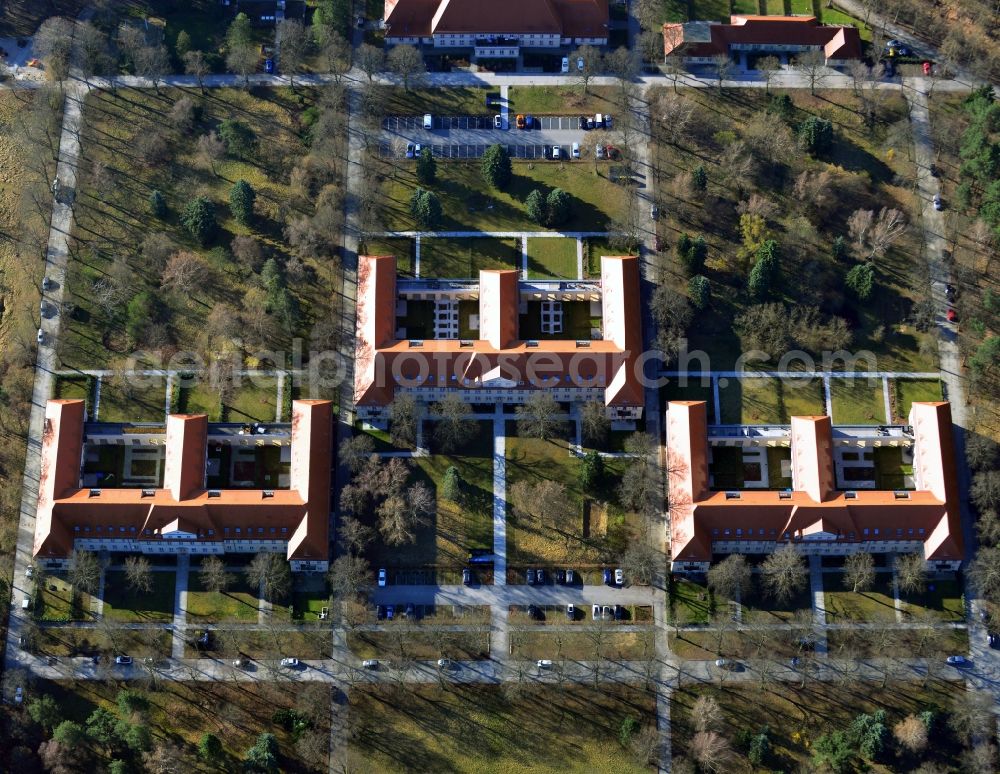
[727,532]
[209,533]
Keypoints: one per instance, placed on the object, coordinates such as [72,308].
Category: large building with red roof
[830,506]
[498,339]
[782,36]
[181,513]
[496,29]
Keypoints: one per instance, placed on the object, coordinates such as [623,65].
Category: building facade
[498,339]
[76,510]
[831,505]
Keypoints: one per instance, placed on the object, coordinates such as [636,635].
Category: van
[565,64]
[428,121]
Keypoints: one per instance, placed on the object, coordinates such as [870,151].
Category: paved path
[518,594]
[499,502]
[492,234]
[179,630]
[56,258]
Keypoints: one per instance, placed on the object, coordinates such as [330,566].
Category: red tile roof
[382,362]
[837,42]
[184,504]
[814,506]
[567,18]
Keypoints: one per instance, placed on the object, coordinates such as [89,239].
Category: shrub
[240,140]
[699,178]
[535,206]
[143,309]
[861,279]
[157,205]
[496,167]
[699,290]
[199,219]
[426,167]
[816,135]
[558,207]
[425,208]
[241,201]
[692,253]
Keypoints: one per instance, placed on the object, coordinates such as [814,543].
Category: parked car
[565,65]
[571,612]
[239,663]
[619,613]
[428,121]
[992,639]
[555,152]
[949,293]
[467,576]
[445,663]
[654,212]
[123,660]
[535,613]
[561,577]
[529,121]
[607,576]
[579,63]
[598,121]
[540,575]
[570,577]
[498,121]
[18,695]
[583,122]
[938,204]
[607,613]
[40,336]
[958,661]
[409,150]
[599,151]
[269,66]
[596,613]
[416,150]
[608,121]
[370,663]
[519,121]
[383,577]
[47,283]
[204,638]
[289,662]
[389,612]
[575,150]
[531,577]
[544,663]
[379,612]
[619,577]
[952,315]
[590,122]
[29,572]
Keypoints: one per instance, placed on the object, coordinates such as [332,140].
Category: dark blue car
[269,66]
[607,577]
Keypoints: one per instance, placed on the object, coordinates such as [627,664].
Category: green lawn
[143,401]
[59,601]
[890,471]
[745,6]
[692,391]
[75,388]
[420,645]
[910,391]
[691,603]
[775,456]
[857,402]
[238,603]
[465,258]
[593,249]
[561,100]
[942,599]
[756,401]
[468,729]
[758,599]
[308,605]
[401,247]
[577,322]
[552,258]
[453,101]
[254,401]
[469,206]
[844,605]
[123,603]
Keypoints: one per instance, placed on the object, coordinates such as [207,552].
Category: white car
[565,64]
[544,663]
[619,577]
[409,150]
[416,150]
[596,612]
[937,202]
[383,577]
[29,572]
[556,151]
[428,121]
[498,122]
[19,695]
[40,337]
[599,151]
[289,662]
[575,152]
[370,663]
[444,663]
[123,660]
[579,63]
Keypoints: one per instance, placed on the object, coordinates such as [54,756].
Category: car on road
[519,121]
[22,641]
[949,293]
[654,212]
[18,695]
[575,150]
[555,152]
[952,315]
[239,663]
[409,150]
[583,122]
[619,577]
[383,577]
[596,613]
[40,336]
[958,661]
[561,577]
[370,663]
[289,662]
[428,121]
[531,577]
[607,576]
[723,663]
[445,663]
[498,121]
[794,662]
[565,65]
[938,204]
[389,612]
[544,663]
[467,576]
[123,660]
[359,21]
[571,612]
[992,640]
[29,572]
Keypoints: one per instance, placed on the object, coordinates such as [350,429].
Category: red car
[927,68]
[952,317]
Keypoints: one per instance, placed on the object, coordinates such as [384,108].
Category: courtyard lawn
[57,600]
[122,603]
[844,605]
[255,400]
[143,401]
[890,471]
[552,258]
[477,730]
[468,205]
[456,528]
[910,391]
[942,599]
[401,247]
[694,390]
[593,249]
[307,605]
[776,455]
[109,640]
[726,468]
[596,530]
[239,602]
[75,388]
[796,716]
[691,603]
[561,100]
[857,402]
[759,601]
[465,258]
[764,401]
[402,645]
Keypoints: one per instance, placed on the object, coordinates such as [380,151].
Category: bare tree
[768,65]
[185,273]
[350,576]
[706,714]
[292,47]
[911,573]
[592,65]
[540,416]
[784,572]
[354,452]
[400,514]
[452,426]
[213,574]
[153,62]
[195,64]
[53,42]
[336,55]
[181,115]
[888,228]
[673,68]
[731,577]
[354,534]
[407,63]
[84,571]
[271,573]
[813,65]
[723,66]
[243,58]
[211,148]
[370,59]
[403,419]
[911,733]
[641,561]
[984,572]
[138,573]
[712,751]
[859,572]
[594,423]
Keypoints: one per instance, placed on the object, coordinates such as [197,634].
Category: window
[876,530]
[147,532]
[865,531]
[760,532]
[726,532]
[211,532]
[715,531]
[909,531]
[76,527]
[786,536]
[86,529]
[260,530]
[739,532]
[214,493]
[225,530]
[901,495]
[920,531]
[852,535]
[784,495]
[148,492]
[850,495]
[899,532]
[773,532]
[732,495]
[284,530]
[273,530]
[94,493]
[238,530]
[267,493]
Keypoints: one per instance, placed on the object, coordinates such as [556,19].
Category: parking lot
[462,151]
[403,124]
